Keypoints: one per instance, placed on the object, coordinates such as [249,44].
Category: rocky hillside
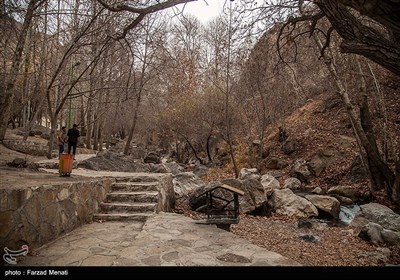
[320,135]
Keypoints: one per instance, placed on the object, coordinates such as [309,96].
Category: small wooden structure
[222,211]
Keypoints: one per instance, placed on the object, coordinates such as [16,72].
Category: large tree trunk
[228,86]
[98,115]
[396,187]
[89,119]
[101,121]
[362,39]
[53,131]
[188,142]
[374,157]
[133,125]
[7,96]
[365,116]
[386,12]
[208,150]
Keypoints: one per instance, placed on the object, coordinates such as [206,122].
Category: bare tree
[364,39]
[6,97]
[143,53]
[369,28]
[381,174]
[138,11]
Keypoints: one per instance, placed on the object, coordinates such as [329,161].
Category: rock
[292,183]
[152,158]
[269,184]
[18,163]
[233,258]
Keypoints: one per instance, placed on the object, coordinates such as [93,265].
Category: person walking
[73,135]
[61,140]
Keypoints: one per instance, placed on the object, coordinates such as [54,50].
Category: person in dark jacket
[73,135]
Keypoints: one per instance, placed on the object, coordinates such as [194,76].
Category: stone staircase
[131,200]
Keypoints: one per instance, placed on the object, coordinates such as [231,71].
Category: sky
[202,11]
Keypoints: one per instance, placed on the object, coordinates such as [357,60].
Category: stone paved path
[166,239]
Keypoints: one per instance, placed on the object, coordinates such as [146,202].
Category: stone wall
[166,194]
[37,215]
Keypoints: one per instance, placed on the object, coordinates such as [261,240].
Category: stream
[348,212]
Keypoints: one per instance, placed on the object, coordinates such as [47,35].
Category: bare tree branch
[364,40]
[141,12]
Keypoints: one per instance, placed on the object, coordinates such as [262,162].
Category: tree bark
[396,187]
[89,119]
[372,153]
[364,40]
[201,161]
[366,123]
[7,96]
[386,12]
[208,147]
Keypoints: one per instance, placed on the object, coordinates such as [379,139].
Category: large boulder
[292,183]
[346,191]
[173,167]
[112,161]
[285,202]
[379,214]
[269,184]
[378,235]
[185,183]
[300,170]
[274,163]
[152,158]
[253,198]
[249,173]
[325,203]
[323,159]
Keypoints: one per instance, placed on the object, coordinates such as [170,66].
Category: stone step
[120,207]
[134,186]
[140,217]
[146,197]
[140,179]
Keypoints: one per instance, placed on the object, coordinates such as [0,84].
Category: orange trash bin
[65,164]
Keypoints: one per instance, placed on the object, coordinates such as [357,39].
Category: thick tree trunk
[101,121]
[208,147]
[53,131]
[89,120]
[396,187]
[133,125]
[99,112]
[193,150]
[372,153]
[364,40]
[386,12]
[7,96]
[365,116]
[96,132]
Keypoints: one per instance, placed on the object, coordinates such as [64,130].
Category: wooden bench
[224,213]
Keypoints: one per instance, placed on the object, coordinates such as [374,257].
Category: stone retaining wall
[166,194]
[37,215]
